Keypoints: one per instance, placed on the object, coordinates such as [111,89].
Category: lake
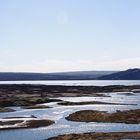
[77,82]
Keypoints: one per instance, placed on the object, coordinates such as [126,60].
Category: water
[58,112]
[77,82]
[62,126]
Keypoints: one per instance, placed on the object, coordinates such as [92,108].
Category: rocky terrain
[130,116]
[18,124]
[100,136]
[3,109]
[29,95]
[66,103]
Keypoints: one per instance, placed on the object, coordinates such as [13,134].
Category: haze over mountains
[131,74]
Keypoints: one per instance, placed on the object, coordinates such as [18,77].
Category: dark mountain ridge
[81,75]
[130,74]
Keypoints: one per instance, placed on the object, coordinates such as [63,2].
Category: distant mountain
[130,74]
[81,75]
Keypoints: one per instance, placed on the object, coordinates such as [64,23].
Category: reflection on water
[62,126]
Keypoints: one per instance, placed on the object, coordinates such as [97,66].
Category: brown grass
[99,136]
[131,116]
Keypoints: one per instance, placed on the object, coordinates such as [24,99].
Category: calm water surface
[77,82]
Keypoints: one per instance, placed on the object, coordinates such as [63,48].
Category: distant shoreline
[28,95]
[130,74]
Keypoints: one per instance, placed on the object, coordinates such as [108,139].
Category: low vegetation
[99,136]
[66,103]
[20,124]
[2,109]
[131,116]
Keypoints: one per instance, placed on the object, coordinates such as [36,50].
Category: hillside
[82,75]
[130,74]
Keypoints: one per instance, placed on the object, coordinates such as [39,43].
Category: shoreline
[30,95]
[99,136]
[127,117]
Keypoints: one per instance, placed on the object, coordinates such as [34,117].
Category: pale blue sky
[69,35]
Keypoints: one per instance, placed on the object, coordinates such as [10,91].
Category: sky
[69,35]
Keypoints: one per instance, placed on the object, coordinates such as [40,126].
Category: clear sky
[69,35]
